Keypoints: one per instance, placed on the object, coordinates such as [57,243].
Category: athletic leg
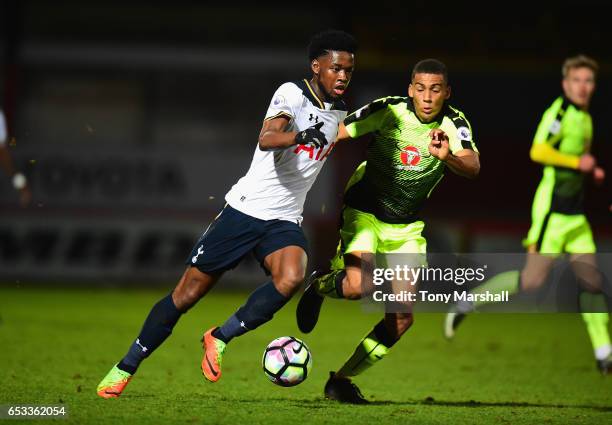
[227,239]
[157,327]
[287,267]
[398,317]
[593,308]
[358,242]
[595,289]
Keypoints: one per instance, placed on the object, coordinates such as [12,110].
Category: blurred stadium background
[132,119]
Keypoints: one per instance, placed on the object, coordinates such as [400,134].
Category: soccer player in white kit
[262,214]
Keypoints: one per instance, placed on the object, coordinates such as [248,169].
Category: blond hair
[579,61]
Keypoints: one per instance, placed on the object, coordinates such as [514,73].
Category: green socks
[371,349]
[330,284]
[596,323]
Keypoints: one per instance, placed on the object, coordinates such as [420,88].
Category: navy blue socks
[258,309]
[156,329]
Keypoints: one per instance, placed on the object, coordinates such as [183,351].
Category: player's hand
[599,175]
[587,163]
[312,136]
[438,146]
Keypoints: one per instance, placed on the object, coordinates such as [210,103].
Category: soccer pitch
[56,345]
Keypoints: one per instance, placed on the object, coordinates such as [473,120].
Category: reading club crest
[410,155]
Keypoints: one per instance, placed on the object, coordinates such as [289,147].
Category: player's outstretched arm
[464,162]
[343,133]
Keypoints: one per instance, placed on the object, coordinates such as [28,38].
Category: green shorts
[363,232]
[557,233]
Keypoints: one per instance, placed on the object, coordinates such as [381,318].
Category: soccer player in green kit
[414,139]
[562,144]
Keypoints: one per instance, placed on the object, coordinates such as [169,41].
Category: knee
[288,281]
[189,292]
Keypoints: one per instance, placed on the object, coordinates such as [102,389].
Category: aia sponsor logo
[315,154]
[410,156]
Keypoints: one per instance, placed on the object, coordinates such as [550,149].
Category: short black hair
[430,66]
[328,40]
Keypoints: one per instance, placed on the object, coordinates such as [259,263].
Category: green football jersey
[400,173]
[568,129]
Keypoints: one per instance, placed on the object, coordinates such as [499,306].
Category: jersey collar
[569,102]
[312,96]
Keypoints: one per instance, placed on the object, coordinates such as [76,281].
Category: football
[287,361]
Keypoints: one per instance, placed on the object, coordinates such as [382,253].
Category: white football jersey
[276,184]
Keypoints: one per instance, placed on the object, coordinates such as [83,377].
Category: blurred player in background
[562,144]
[262,214]
[414,139]
[19,181]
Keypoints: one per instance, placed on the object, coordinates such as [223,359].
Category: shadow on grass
[430,401]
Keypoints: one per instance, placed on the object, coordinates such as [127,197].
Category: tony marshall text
[425,296]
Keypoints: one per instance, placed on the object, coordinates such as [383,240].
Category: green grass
[55,345]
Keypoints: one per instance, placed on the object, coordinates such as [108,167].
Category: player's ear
[448,92]
[315,66]
[410,90]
